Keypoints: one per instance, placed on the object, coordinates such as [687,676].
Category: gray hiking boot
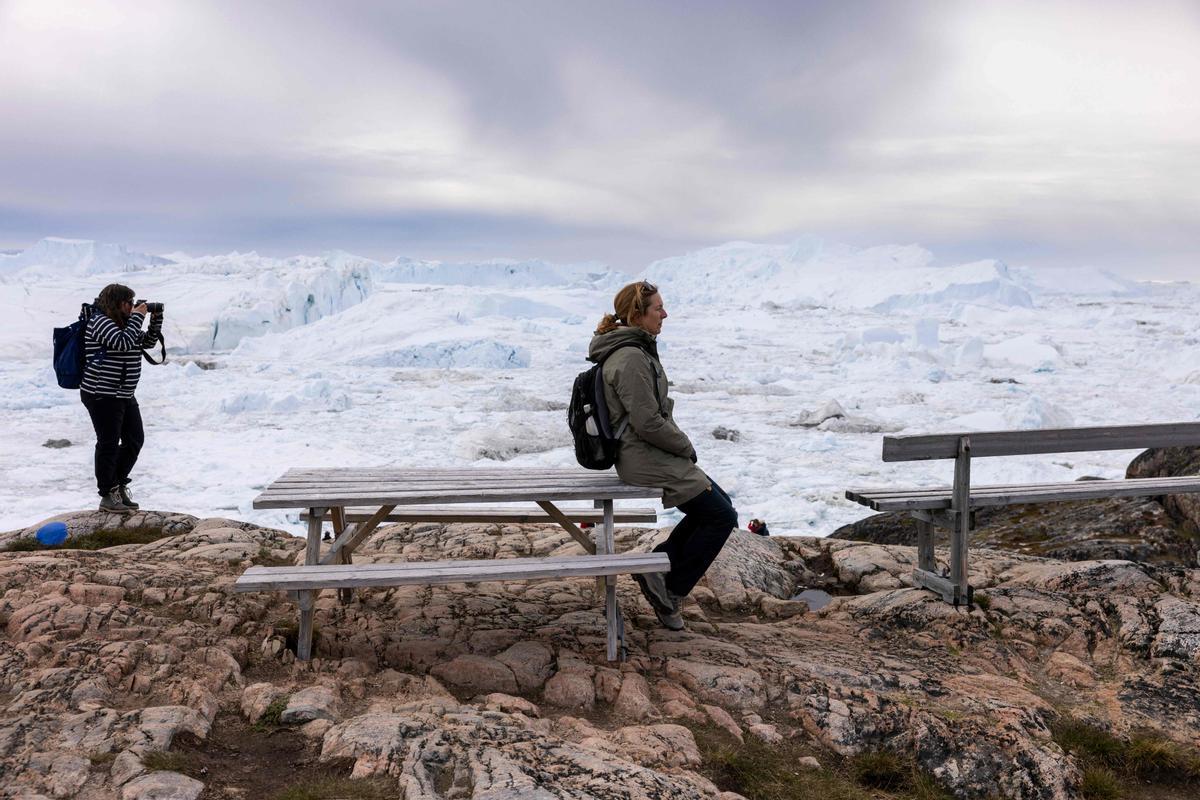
[113,503]
[126,498]
[665,604]
[671,620]
[654,589]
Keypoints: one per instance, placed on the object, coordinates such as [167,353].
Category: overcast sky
[1041,133]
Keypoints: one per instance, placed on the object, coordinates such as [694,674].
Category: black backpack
[587,416]
[70,352]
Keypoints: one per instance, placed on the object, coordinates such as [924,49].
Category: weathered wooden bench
[357,501]
[348,576]
[951,507]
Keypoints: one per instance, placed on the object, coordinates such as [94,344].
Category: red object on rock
[759,526]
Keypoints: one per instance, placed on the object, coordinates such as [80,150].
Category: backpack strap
[86,312]
[658,398]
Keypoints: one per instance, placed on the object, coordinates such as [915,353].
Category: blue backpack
[70,351]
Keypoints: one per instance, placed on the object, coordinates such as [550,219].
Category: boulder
[162,786]
[477,675]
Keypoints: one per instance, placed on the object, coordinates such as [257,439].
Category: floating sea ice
[810,419]
[314,396]
[970,353]
[882,334]
[832,417]
[925,332]
[323,396]
[502,305]
[858,425]
[508,440]
[41,391]
[1039,413]
[1031,414]
[1026,351]
[447,355]
[245,401]
[979,421]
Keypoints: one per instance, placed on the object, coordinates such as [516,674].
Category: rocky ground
[1126,528]
[135,672]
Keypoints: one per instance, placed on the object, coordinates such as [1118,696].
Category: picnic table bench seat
[348,576]
[942,497]
[952,507]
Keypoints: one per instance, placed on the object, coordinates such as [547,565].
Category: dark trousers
[119,437]
[693,545]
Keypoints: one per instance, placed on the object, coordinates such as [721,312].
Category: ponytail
[610,322]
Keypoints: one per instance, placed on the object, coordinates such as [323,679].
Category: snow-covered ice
[809,351]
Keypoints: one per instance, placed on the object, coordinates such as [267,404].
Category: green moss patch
[340,789]
[96,540]
[1113,767]
[166,761]
[761,771]
[271,716]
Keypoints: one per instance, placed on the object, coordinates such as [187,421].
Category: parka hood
[604,343]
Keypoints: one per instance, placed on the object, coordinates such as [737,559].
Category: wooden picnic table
[358,500]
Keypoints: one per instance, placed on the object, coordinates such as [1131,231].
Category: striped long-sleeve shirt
[114,354]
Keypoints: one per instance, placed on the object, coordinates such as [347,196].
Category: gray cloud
[619,131]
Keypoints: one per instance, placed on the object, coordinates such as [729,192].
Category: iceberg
[53,256]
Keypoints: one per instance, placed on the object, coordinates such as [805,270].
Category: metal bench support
[956,589]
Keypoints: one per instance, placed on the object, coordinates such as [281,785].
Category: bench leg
[925,559]
[307,599]
[338,515]
[612,611]
[305,634]
[959,540]
[960,535]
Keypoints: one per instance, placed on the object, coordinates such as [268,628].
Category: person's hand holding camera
[140,308]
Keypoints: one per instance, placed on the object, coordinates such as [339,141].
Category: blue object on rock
[52,534]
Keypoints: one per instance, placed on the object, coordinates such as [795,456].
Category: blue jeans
[693,545]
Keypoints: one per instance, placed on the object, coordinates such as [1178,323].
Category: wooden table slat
[334,498]
[391,485]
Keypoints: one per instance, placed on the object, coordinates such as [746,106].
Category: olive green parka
[653,451]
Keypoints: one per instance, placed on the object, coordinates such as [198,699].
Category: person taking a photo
[113,341]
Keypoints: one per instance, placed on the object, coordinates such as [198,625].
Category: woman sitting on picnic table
[654,451]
